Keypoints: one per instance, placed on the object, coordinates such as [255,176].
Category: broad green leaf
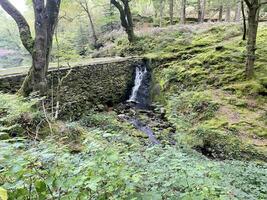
[3,194]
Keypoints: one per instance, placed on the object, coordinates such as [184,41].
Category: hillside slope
[200,74]
[219,147]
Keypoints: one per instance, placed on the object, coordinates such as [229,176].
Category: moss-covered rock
[4,136]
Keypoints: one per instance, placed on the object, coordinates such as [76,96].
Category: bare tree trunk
[93,29]
[171,3]
[220,13]
[85,7]
[161,13]
[228,13]
[130,21]
[244,20]
[253,15]
[238,12]
[183,12]
[201,10]
[39,56]
[126,18]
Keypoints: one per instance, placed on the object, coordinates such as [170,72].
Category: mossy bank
[199,79]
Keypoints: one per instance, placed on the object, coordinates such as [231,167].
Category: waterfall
[140,73]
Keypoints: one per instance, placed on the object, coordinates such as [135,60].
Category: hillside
[209,120]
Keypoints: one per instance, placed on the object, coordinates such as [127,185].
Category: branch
[248,3]
[122,14]
[23,26]
[52,10]
[263,3]
[82,5]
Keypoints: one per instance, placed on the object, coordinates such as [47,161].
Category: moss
[252,87]
[4,136]
[18,115]
[223,145]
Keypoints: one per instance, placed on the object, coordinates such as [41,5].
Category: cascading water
[140,98]
[140,91]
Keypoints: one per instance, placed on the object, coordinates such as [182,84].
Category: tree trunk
[201,8]
[228,13]
[171,3]
[130,29]
[126,18]
[220,13]
[85,7]
[183,12]
[161,13]
[93,29]
[46,17]
[39,56]
[238,12]
[244,20]
[253,15]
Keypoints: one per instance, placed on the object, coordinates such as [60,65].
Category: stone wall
[86,86]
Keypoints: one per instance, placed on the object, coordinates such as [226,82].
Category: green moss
[220,144]
[252,87]
[17,115]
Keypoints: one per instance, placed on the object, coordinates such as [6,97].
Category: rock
[219,48]
[100,107]
[4,136]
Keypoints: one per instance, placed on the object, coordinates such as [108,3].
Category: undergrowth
[114,164]
[199,79]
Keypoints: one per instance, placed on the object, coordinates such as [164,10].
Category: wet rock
[100,107]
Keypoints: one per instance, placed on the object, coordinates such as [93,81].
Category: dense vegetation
[208,116]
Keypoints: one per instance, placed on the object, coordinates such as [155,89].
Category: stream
[139,106]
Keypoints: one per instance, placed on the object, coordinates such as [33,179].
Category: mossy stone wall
[86,86]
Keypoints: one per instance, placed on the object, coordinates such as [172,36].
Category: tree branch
[24,28]
[248,3]
[122,14]
[52,10]
[263,3]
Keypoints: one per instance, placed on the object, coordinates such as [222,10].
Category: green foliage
[17,115]
[105,170]
[12,107]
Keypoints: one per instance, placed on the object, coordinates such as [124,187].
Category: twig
[46,117]
[58,91]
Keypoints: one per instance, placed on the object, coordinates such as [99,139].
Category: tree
[183,12]
[126,17]
[228,12]
[46,15]
[253,21]
[220,12]
[171,4]
[244,20]
[84,5]
[238,11]
[162,2]
[201,10]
